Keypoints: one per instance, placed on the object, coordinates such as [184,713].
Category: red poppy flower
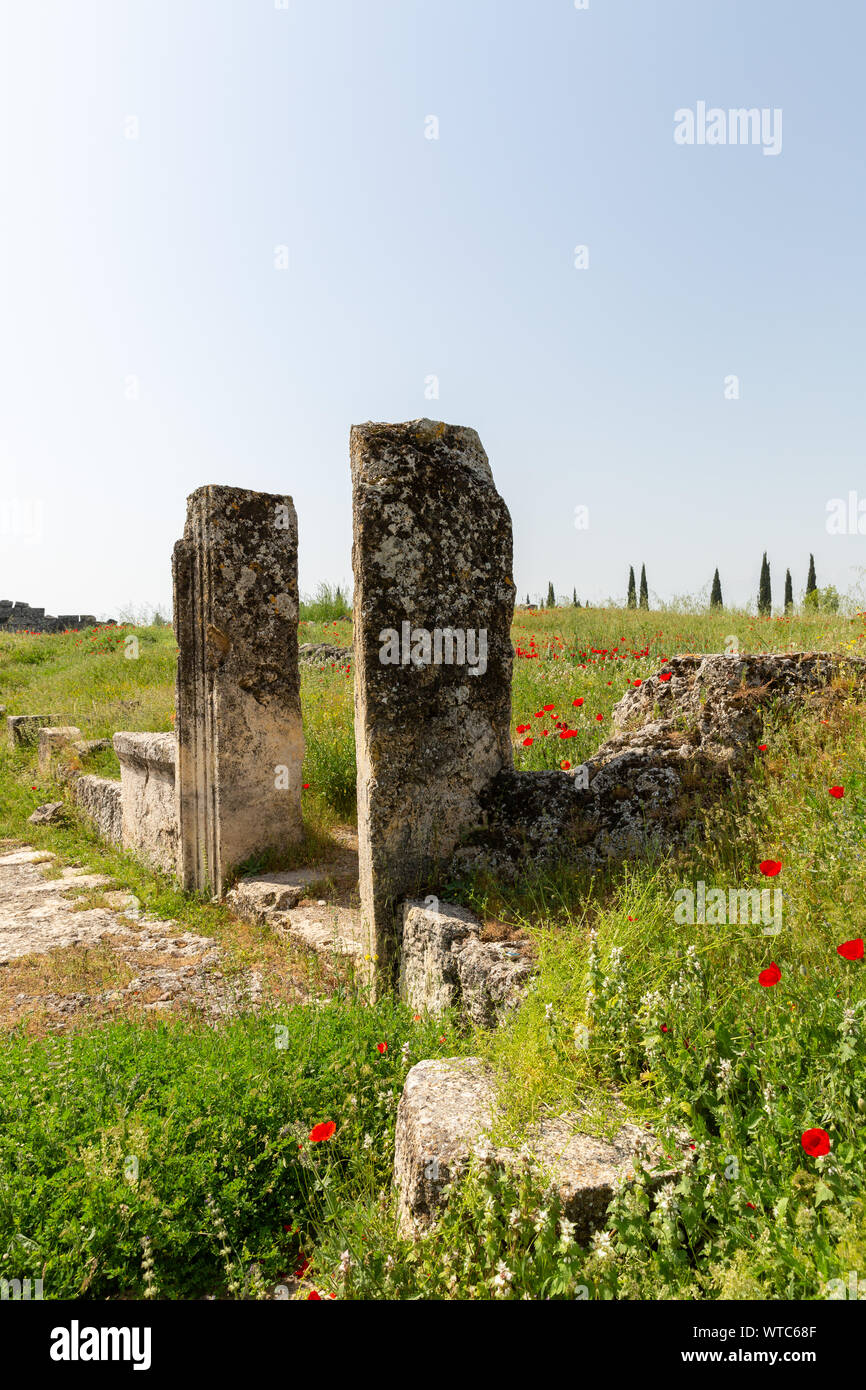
[565,765]
[312,1296]
[306,787]
[851,950]
[752,1205]
[319,1133]
[837,792]
[636,684]
[771,976]
[527,742]
[770,867]
[548,708]
[664,1027]
[762,747]
[599,717]
[816,1142]
[577,703]
[664,675]
[381,1048]
[302,1268]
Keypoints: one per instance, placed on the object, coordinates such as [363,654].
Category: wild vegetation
[263,1145]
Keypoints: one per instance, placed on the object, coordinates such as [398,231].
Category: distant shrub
[327,605]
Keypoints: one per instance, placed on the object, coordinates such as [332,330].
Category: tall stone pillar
[240,742]
[434,599]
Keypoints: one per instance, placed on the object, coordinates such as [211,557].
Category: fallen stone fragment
[444,964]
[447,1110]
[48,814]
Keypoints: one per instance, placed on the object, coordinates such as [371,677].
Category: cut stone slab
[254,899]
[52,739]
[240,740]
[24,728]
[433,603]
[328,930]
[447,1110]
[444,964]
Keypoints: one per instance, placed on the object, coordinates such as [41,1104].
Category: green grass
[669,1019]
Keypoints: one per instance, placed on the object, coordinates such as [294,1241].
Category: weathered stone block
[240,742]
[444,964]
[51,740]
[49,814]
[447,1110]
[24,728]
[148,800]
[99,799]
[434,598]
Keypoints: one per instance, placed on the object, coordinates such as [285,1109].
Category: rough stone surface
[99,798]
[678,743]
[147,796]
[20,617]
[447,1110]
[257,898]
[49,814]
[51,740]
[240,742]
[323,654]
[444,964]
[24,728]
[431,550]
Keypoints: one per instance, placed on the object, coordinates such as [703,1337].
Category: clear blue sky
[260,127]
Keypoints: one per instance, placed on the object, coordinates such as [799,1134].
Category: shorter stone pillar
[240,742]
[434,598]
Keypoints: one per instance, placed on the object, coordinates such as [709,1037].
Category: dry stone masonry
[240,742]
[681,738]
[20,617]
[434,599]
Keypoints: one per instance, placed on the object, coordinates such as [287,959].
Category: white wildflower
[602,1245]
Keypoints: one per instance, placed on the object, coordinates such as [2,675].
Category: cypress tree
[644,591]
[811,582]
[528,604]
[789,592]
[631,601]
[716,592]
[574,602]
[765,595]
[551,596]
